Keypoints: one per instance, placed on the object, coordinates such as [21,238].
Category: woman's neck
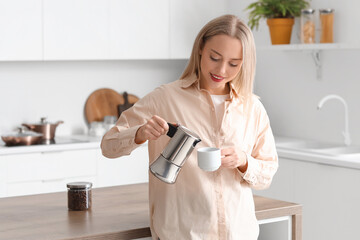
[216,91]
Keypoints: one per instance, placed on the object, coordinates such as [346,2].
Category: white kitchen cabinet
[124,170]
[187,17]
[112,29]
[50,171]
[102,30]
[329,196]
[20,30]
[139,29]
[75,30]
[34,173]
[44,186]
[3,176]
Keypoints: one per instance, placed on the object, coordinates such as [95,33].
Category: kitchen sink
[323,148]
[350,150]
[306,145]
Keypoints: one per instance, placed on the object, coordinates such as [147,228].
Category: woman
[214,99]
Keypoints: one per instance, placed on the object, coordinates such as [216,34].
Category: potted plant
[280,17]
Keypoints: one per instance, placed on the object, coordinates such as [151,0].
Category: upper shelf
[310,47]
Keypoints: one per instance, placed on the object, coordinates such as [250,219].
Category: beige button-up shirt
[201,205]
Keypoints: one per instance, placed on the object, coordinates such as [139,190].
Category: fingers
[160,124]
[228,162]
[154,128]
[227,151]
[231,158]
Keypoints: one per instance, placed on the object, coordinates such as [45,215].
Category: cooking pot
[44,127]
[22,137]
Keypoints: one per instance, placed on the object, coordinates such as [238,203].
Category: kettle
[168,165]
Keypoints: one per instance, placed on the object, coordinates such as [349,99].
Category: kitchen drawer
[50,165]
[44,186]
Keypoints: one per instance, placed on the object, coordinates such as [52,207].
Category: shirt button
[227,111]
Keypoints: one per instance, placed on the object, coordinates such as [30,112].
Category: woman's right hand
[151,130]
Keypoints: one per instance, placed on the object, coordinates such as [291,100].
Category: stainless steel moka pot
[168,165]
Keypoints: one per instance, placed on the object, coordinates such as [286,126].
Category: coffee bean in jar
[79,195]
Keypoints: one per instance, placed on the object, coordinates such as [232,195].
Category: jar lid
[308,11]
[326,10]
[79,185]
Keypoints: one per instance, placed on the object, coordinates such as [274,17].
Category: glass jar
[79,195]
[327,25]
[109,122]
[307,26]
[97,129]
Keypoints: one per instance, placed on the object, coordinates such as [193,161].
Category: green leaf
[274,8]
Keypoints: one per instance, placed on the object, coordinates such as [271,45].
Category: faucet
[346,132]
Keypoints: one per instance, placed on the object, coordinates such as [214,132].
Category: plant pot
[280,30]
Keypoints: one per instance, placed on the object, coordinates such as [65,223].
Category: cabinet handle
[52,180]
[50,152]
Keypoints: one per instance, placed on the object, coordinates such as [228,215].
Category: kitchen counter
[307,156]
[119,212]
[63,143]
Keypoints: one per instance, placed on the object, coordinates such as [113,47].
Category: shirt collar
[187,82]
[193,80]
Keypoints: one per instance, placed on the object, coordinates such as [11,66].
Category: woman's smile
[216,78]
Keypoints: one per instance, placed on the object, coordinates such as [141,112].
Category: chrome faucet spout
[346,133]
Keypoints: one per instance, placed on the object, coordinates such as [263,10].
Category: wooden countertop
[119,212]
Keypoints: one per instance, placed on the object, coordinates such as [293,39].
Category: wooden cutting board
[104,102]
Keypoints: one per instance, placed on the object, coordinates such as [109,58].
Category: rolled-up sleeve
[120,139]
[263,160]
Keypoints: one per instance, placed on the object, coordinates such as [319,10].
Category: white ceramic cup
[209,158]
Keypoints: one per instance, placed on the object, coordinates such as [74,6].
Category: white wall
[58,90]
[287,83]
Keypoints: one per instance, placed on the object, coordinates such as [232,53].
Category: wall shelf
[315,50]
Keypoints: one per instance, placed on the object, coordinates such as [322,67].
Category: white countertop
[74,142]
[348,161]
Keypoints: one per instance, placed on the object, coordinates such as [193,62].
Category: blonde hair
[232,26]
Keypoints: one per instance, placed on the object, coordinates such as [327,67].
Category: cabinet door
[124,170]
[328,194]
[75,30]
[3,176]
[139,29]
[187,17]
[330,199]
[34,173]
[49,166]
[20,30]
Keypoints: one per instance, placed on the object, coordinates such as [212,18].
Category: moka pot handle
[172,130]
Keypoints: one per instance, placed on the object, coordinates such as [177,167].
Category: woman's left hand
[233,158]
